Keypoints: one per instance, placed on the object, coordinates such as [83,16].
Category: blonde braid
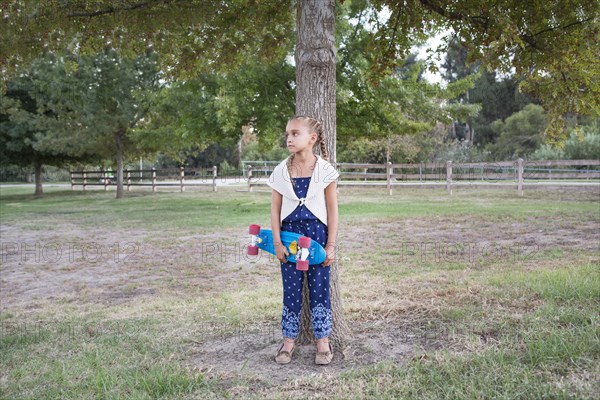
[289,167]
[323,148]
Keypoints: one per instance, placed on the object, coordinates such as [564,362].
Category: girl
[304,201]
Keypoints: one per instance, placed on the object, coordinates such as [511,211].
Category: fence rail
[518,174]
[106,179]
[481,174]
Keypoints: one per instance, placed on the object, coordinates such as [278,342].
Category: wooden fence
[518,174]
[155,179]
[502,174]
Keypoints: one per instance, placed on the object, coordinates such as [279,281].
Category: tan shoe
[324,357]
[283,356]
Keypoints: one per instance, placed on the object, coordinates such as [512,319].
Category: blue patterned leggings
[318,283]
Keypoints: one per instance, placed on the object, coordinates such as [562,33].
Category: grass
[71,362]
[207,210]
[503,328]
[539,358]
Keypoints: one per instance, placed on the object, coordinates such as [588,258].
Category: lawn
[479,295]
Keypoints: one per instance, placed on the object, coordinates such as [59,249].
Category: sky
[432,43]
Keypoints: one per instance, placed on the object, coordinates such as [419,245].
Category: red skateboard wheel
[304,242]
[302,265]
[252,250]
[254,229]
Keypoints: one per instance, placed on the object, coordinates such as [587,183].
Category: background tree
[583,142]
[26,123]
[520,134]
[201,119]
[382,117]
[98,101]
[499,97]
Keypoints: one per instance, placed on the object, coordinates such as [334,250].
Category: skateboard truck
[254,231]
[302,261]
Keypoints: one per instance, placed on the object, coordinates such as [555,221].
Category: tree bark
[315,96]
[39,191]
[119,151]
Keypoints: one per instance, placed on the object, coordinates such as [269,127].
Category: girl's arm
[332,217]
[276,200]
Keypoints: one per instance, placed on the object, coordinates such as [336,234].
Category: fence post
[84,180]
[214,178]
[104,179]
[153,179]
[389,177]
[449,177]
[72,185]
[128,172]
[520,177]
[249,178]
[181,180]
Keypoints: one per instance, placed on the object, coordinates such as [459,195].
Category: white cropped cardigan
[323,174]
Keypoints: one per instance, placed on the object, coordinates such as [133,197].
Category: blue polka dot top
[301,212]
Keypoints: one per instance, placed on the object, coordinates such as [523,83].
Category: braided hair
[314,126]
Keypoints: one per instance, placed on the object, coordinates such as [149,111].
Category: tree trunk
[118,146]
[315,96]
[39,191]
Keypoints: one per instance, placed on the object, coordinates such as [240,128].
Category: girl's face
[298,136]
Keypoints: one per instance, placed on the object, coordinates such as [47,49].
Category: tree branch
[480,20]
[352,37]
[395,29]
[108,10]
[562,27]
[111,9]
[483,21]
[530,39]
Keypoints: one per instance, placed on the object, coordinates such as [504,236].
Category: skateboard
[302,250]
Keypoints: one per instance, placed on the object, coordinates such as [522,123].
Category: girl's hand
[281,252]
[330,250]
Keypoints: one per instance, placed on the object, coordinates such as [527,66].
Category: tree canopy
[551,44]
[190,35]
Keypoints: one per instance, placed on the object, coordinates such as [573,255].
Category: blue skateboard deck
[264,240]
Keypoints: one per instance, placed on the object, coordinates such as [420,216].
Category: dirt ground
[104,267]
